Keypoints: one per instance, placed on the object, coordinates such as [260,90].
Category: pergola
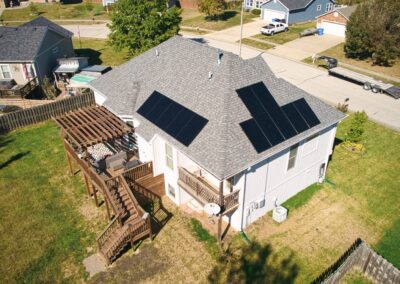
[92,125]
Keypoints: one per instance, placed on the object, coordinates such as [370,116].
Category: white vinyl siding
[169,158]
[292,156]
[5,71]
[310,145]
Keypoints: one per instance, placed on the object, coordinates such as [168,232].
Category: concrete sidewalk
[99,31]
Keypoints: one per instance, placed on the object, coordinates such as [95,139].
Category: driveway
[304,47]
[233,34]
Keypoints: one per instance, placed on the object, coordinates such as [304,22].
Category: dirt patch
[318,232]
[69,268]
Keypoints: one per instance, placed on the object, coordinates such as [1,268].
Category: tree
[48,89]
[212,8]
[373,31]
[142,24]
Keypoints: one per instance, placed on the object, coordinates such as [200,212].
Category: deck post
[107,206]
[220,228]
[68,158]
[150,231]
[221,194]
[86,183]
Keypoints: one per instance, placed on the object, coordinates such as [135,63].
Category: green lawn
[290,35]
[99,51]
[57,12]
[228,19]
[43,235]
[338,52]
[257,44]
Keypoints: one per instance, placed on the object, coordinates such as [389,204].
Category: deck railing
[21,91]
[204,192]
[139,171]
[111,228]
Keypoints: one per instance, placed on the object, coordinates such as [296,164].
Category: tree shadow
[253,263]
[94,55]
[13,159]
[4,141]
[222,17]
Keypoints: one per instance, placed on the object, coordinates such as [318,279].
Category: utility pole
[241,30]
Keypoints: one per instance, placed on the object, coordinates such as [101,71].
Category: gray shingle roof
[20,43]
[43,22]
[180,71]
[347,11]
[295,4]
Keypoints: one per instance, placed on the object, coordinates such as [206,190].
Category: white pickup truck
[274,28]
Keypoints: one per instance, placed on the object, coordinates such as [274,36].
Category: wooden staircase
[130,222]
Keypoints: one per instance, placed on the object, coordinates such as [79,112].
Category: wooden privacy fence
[41,113]
[360,256]
[24,103]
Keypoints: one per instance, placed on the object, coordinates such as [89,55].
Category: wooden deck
[153,184]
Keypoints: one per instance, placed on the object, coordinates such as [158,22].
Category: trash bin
[320,31]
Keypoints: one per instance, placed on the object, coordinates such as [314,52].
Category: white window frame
[319,7]
[169,157]
[171,191]
[249,3]
[258,4]
[2,72]
[292,157]
[329,7]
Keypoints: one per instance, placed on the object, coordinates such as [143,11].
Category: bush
[98,10]
[356,131]
[89,6]
[212,8]
[256,12]
[48,89]
[33,9]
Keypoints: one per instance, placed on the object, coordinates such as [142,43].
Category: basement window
[292,156]
[171,190]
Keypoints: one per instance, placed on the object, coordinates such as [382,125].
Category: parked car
[274,28]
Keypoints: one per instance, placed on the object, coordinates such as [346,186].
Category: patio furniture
[116,161]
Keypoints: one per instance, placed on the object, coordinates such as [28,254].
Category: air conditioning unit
[279,214]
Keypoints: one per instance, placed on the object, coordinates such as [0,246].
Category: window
[171,190]
[5,72]
[292,156]
[258,4]
[329,7]
[169,158]
[319,7]
[249,3]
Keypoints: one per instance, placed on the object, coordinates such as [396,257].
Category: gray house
[31,50]
[295,11]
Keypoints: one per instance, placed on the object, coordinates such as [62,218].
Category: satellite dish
[212,209]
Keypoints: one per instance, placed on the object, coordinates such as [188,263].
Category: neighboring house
[221,129]
[32,49]
[295,11]
[335,22]
[253,4]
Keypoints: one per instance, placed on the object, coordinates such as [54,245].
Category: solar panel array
[173,118]
[272,124]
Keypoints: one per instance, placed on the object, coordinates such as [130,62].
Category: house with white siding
[221,129]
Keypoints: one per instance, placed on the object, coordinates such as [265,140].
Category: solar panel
[306,112]
[271,122]
[256,137]
[173,118]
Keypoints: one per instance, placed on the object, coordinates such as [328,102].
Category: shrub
[212,8]
[48,89]
[256,12]
[89,6]
[356,131]
[33,9]
[98,9]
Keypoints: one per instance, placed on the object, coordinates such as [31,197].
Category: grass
[194,31]
[257,44]
[338,52]
[229,19]
[56,12]
[300,199]
[100,52]
[324,222]
[43,237]
[291,34]
[203,236]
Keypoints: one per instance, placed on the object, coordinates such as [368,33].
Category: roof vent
[210,74]
[157,53]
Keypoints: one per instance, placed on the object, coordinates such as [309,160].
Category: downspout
[243,199]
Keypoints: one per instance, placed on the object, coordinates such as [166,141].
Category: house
[295,11]
[253,4]
[30,51]
[221,129]
[335,22]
